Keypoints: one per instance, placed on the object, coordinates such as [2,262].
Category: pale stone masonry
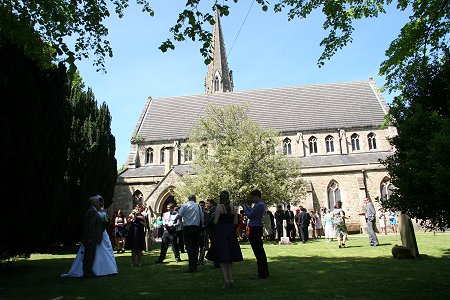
[333,129]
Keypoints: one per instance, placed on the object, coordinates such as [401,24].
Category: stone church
[334,130]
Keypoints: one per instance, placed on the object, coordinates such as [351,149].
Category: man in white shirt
[193,219]
[169,235]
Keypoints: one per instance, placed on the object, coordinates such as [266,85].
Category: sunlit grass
[318,269]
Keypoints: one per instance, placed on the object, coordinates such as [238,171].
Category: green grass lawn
[316,270]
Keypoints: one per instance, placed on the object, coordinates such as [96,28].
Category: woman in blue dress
[393,220]
[226,249]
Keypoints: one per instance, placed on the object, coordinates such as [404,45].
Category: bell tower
[219,78]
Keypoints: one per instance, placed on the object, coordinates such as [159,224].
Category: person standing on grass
[393,220]
[319,226]
[169,236]
[290,225]
[120,231]
[304,223]
[193,219]
[255,215]
[382,221]
[279,217]
[225,249]
[339,223]
[371,221]
[92,235]
[136,235]
[328,222]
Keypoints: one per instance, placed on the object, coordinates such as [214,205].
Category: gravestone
[284,239]
[407,235]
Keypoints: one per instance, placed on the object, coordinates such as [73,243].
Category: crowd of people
[209,230]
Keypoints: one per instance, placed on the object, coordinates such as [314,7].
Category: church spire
[219,78]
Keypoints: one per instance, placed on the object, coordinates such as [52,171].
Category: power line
[242,25]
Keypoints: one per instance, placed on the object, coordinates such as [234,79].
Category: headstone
[284,239]
[407,235]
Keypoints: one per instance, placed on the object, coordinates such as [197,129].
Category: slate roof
[315,161]
[337,160]
[289,109]
[153,170]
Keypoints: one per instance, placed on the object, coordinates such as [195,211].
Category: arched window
[372,141]
[329,144]
[188,153]
[216,84]
[149,156]
[334,194]
[312,145]
[161,156]
[287,150]
[355,142]
[386,189]
[138,198]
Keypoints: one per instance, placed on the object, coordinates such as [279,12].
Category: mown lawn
[316,270]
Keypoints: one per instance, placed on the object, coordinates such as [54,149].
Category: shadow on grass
[318,270]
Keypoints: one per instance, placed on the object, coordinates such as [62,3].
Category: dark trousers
[373,240]
[191,240]
[304,233]
[166,240]
[256,233]
[290,231]
[212,238]
[180,240]
[203,242]
[279,231]
[88,258]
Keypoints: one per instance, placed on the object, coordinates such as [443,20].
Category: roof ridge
[269,89]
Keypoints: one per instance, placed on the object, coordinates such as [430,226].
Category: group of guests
[193,226]
[207,222]
[392,218]
[298,224]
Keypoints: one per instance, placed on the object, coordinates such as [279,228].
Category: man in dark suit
[290,227]
[92,235]
[304,219]
[279,217]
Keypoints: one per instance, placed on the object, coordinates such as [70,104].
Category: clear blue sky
[269,52]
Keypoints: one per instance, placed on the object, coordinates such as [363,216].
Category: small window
[355,142]
[372,141]
[312,145]
[161,155]
[329,144]
[149,156]
[287,150]
[188,153]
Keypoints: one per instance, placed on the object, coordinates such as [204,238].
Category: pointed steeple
[219,78]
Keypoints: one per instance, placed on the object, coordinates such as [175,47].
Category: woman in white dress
[104,261]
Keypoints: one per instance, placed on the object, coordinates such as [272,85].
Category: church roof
[290,109]
[315,161]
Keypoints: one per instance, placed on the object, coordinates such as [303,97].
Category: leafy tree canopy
[424,35]
[419,168]
[56,20]
[232,152]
